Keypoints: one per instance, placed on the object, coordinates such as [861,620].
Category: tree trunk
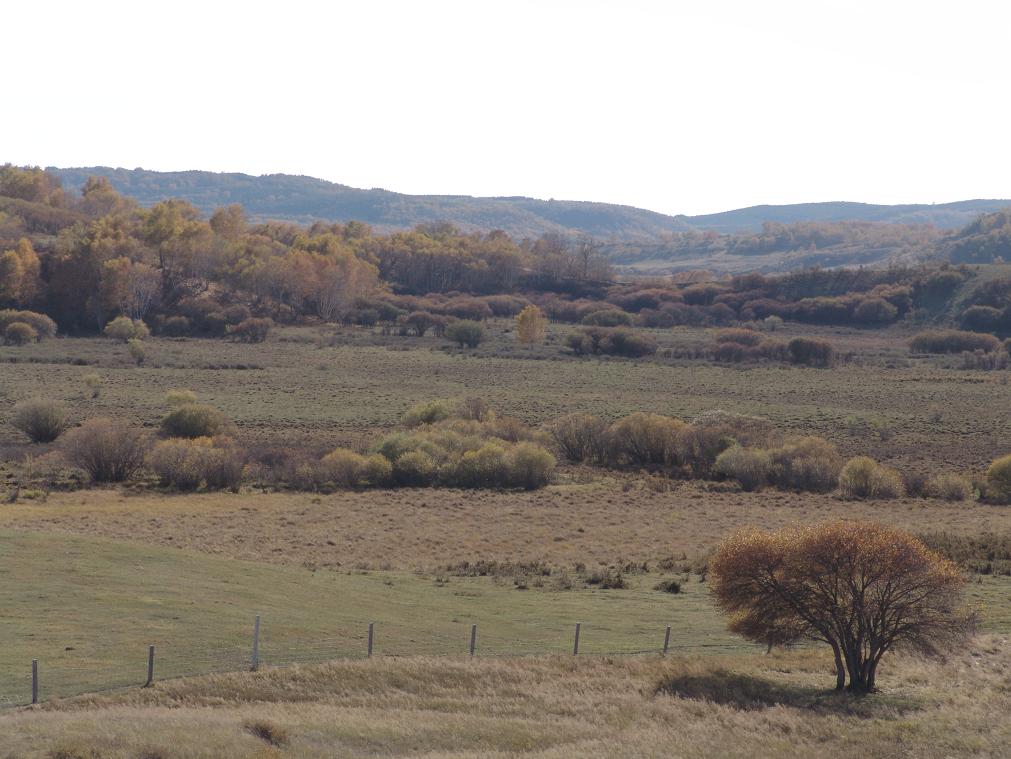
[840,669]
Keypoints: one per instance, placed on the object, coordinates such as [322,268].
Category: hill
[306,199]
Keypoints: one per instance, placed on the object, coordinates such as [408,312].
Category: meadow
[90,577]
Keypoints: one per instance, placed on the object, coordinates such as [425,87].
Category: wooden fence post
[473,639]
[666,640]
[150,667]
[372,636]
[35,681]
[575,645]
[255,663]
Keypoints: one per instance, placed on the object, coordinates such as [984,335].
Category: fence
[71,676]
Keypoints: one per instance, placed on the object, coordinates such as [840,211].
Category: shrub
[613,342]
[529,466]
[981,318]
[465,333]
[642,438]
[136,350]
[608,317]
[420,322]
[751,467]
[93,382]
[344,467]
[810,352]
[808,463]
[125,329]
[415,468]
[378,470]
[875,311]
[253,330]
[428,413]
[42,421]
[108,451]
[186,464]
[739,336]
[772,323]
[176,326]
[863,477]
[531,325]
[952,341]
[998,480]
[668,586]
[193,420]
[949,487]
[580,437]
[19,333]
[236,314]
[481,468]
[42,324]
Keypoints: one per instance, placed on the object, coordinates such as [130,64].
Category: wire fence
[68,673]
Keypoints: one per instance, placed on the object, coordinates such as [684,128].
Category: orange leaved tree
[861,587]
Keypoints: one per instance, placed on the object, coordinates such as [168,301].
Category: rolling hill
[306,199]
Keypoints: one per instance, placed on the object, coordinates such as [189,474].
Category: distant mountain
[305,200]
[942,215]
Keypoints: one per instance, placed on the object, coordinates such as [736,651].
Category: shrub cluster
[251,330]
[998,480]
[953,341]
[19,333]
[811,352]
[610,341]
[124,328]
[42,325]
[465,333]
[195,420]
[187,464]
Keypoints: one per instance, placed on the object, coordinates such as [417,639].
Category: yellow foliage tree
[531,325]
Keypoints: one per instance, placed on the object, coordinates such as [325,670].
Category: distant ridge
[304,199]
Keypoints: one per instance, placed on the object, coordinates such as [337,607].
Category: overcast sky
[680,107]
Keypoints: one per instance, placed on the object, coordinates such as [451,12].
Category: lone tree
[861,587]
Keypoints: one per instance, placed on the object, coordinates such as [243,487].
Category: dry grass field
[751,706]
[89,578]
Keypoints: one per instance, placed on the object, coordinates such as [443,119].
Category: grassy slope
[742,706]
[87,608]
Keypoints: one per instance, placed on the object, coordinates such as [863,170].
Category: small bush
[949,487]
[580,437]
[108,451]
[863,477]
[668,586]
[428,413]
[807,464]
[739,336]
[953,341]
[176,326]
[136,350]
[19,333]
[875,311]
[642,438]
[810,352]
[465,333]
[529,466]
[415,468]
[607,317]
[253,330]
[93,382]
[195,420]
[125,329]
[611,342]
[344,468]
[186,464]
[421,322]
[42,421]
[268,732]
[751,467]
[481,468]
[42,324]
[998,480]
[378,470]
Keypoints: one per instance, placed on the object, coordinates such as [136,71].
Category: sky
[679,107]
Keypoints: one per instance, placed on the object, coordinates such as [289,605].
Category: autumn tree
[861,587]
[531,325]
[19,274]
[130,287]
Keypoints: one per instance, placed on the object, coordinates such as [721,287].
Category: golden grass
[742,706]
[602,522]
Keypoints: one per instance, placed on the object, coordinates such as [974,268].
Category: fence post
[372,635]
[35,681]
[150,667]
[473,639]
[666,640]
[255,663]
[575,645]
